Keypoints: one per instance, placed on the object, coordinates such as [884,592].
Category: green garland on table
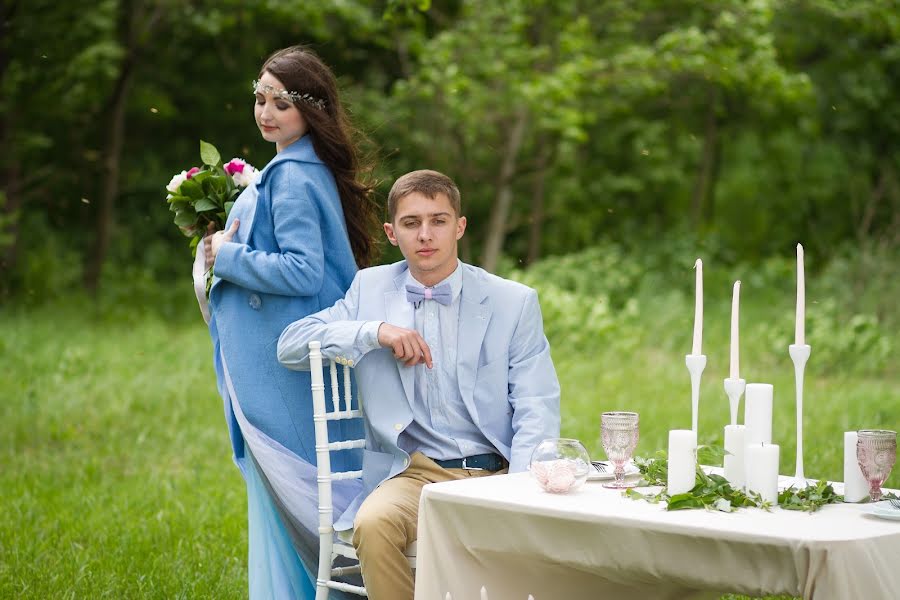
[714,492]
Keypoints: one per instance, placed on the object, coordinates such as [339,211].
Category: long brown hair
[332,134]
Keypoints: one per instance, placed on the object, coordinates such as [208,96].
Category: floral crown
[261,88]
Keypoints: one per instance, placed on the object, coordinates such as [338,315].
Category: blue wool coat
[289,258]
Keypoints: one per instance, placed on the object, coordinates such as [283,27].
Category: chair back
[341,409]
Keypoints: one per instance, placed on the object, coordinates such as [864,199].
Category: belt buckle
[467,467]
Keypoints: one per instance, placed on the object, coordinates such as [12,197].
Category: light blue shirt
[442,427]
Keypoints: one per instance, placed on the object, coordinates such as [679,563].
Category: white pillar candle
[682,461]
[856,488]
[698,310]
[758,413]
[734,459]
[801,298]
[735,301]
[762,471]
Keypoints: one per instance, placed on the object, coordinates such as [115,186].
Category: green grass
[117,478]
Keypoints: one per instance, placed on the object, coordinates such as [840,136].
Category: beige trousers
[386,525]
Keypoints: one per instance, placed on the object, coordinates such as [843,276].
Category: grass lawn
[117,477]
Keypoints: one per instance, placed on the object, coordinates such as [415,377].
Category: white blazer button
[398,426]
[255,301]
[405,462]
[350,362]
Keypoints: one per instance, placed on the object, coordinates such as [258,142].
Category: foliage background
[601,147]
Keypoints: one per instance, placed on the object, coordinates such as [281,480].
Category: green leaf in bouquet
[209,155]
[186,218]
[205,204]
[215,185]
[191,189]
[179,205]
[201,176]
[228,206]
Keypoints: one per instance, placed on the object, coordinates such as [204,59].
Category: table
[506,534]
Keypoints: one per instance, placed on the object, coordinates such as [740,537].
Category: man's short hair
[426,182]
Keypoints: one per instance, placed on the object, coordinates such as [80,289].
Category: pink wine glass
[876,451]
[619,435]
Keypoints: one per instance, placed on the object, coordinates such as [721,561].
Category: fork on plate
[894,502]
[600,466]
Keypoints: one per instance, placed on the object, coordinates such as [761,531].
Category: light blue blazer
[290,257]
[505,372]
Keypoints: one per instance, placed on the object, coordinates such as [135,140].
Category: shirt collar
[454,279]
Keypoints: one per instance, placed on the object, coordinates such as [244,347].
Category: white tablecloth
[506,534]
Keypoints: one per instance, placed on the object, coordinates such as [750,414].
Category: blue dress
[289,258]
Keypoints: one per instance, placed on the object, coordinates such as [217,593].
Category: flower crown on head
[261,88]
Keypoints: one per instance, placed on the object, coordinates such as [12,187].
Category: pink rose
[540,472]
[562,477]
[555,476]
[192,172]
[235,165]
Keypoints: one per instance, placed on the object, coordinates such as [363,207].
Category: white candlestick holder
[734,389]
[695,364]
[799,354]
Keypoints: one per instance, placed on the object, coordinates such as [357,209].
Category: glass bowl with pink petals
[560,465]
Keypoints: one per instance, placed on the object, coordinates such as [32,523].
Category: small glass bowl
[560,465]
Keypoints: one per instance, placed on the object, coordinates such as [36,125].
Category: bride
[291,246]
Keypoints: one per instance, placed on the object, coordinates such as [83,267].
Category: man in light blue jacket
[453,366]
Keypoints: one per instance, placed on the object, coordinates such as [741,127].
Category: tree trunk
[537,204]
[131,14]
[701,204]
[11,192]
[864,228]
[500,211]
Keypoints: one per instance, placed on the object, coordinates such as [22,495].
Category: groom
[453,366]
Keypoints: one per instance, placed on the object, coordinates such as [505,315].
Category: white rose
[246,177]
[177,180]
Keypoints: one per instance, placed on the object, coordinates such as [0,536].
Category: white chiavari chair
[329,547]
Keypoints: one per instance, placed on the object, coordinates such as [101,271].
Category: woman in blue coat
[291,246]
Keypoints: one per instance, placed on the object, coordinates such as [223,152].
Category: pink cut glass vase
[876,451]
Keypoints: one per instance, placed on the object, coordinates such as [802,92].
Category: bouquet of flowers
[204,195]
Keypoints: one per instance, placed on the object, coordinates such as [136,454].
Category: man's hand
[219,238]
[406,344]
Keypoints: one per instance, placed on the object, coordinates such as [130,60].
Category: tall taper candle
[801,298]
[698,310]
[735,307]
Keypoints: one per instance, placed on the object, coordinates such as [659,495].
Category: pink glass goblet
[619,435]
[876,451]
